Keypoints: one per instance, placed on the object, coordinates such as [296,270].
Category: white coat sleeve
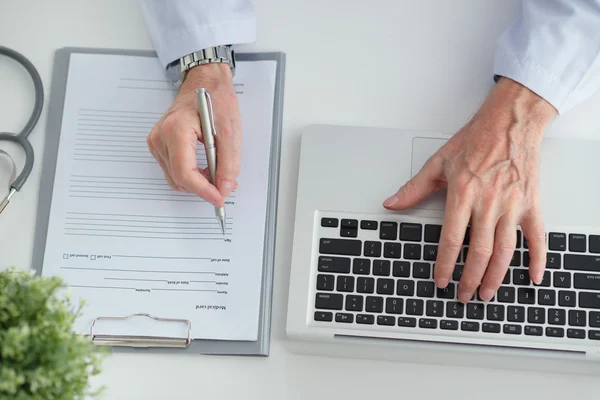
[553,48]
[180,27]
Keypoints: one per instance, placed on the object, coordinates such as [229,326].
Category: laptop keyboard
[379,272]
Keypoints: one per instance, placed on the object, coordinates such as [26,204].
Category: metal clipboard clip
[141,341]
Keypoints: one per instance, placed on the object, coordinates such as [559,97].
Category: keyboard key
[345,283]
[475,311]
[469,326]
[536,315]
[526,295]
[506,294]
[365,319]
[401,269]
[577,318]
[430,252]
[329,301]
[467,237]
[516,314]
[340,265]
[457,273]
[365,285]
[511,329]
[344,317]
[434,308]
[575,333]
[555,332]
[374,304]
[392,250]
[385,286]
[421,270]
[589,300]
[372,249]
[405,288]
[594,242]
[577,243]
[425,289]
[582,262]
[407,321]
[433,233]
[566,298]
[518,239]
[386,320]
[361,266]
[349,232]
[412,251]
[344,247]
[545,280]
[325,282]
[557,241]
[490,327]
[428,323]
[354,303]
[594,319]
[556,316]
[388,230]
[323,316]
[455,309]
[448,325]
[521,277]
[394,305]
[553,260]
[546,297]
[414,307]
[516,259]
[349,223]
[447,292]
[329,222]
[594,335]
[368,225]
[411,232]
[586,281]
[495,312]
[381,267]
[562,279]
[534,330]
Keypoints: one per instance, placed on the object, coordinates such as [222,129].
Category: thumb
[426,182]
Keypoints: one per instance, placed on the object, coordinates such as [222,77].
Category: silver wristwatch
[217,54]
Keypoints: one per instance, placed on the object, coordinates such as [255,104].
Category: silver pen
[208,133]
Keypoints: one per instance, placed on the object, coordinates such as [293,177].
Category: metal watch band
[217,54]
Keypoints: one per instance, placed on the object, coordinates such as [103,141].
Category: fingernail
[486,294]
[539,277]
[226,187]
[464,296]
[442,283]
[390,201]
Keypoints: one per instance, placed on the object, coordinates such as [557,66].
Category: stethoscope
[15,183]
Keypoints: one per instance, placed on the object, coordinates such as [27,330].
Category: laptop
[361,279]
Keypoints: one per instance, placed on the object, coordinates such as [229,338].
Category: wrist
[512,107]
[208,75]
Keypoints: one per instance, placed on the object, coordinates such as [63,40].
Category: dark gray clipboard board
[261,346]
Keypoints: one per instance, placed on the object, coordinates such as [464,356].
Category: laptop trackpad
[422,149]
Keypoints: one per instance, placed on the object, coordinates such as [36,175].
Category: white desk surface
[411,64]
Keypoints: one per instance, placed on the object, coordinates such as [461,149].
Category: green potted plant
[41,357]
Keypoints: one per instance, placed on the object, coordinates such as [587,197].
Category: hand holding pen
[174,139]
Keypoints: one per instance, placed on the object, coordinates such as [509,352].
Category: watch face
[173,73]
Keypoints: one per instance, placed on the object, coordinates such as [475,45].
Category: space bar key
[581,262]
[344,247]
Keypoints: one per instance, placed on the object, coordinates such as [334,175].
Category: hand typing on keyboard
[490,171]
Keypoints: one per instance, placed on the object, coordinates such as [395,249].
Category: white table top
[410,64]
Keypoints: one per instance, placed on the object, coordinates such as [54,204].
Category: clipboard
[261,346]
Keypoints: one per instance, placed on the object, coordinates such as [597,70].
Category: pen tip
[222,222]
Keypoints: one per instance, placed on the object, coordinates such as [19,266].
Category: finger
[185,172]
[206,173]
[504,248]
[424,183]
[533,230]
[454,226]
[481,247]
[228,142]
